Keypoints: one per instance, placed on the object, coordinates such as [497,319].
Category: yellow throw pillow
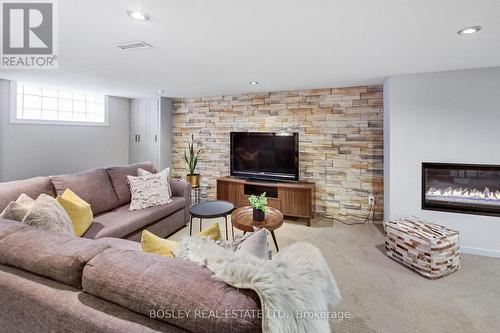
[153,244]
[79,211]
[211,232]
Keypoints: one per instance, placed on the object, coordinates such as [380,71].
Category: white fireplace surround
[449,117]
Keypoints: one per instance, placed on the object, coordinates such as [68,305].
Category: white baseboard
[480,252]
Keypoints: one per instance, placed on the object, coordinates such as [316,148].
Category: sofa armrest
[182,188]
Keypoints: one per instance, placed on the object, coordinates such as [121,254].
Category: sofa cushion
[92,186]
[118,243]
[163,227]
[32,187]
[57,256]
[118,176]
[8,227]
[122,222]
[146,282]
[31,303]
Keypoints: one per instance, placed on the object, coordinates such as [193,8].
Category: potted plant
[259,205]
[191,157]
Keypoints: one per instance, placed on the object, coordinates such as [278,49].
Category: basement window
[52,106]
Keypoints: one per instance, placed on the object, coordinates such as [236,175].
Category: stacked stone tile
[429,249]
[341,140]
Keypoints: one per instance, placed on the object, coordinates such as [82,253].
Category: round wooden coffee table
[242,219]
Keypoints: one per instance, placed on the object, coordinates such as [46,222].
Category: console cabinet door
[295,201]
[230,191]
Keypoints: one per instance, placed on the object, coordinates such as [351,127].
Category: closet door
[133,147]
[138,130]
[153,132]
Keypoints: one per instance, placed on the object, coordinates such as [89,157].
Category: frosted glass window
[58,105]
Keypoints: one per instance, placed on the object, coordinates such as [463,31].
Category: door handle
[156,138]
[135,138]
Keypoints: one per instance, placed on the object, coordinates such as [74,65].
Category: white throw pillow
[141,172]
[16,210]
[149,191]
[48,214]
[256,244]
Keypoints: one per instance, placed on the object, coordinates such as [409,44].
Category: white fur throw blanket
[295,281]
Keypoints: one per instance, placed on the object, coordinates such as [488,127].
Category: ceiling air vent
[136,45]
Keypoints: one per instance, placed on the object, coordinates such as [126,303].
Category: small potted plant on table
[259,205]
[191,157]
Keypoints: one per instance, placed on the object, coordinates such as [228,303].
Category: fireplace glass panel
[464,188]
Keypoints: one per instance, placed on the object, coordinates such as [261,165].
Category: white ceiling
[211,47]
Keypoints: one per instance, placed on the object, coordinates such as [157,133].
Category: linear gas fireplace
[461,188]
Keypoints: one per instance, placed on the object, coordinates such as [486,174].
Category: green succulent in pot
[259,205]
[191,157]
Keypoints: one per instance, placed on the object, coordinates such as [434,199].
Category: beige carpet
[383,296]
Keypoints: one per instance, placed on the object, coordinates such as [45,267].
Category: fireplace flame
[464,195]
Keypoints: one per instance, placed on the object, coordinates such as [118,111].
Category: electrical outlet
[371,200]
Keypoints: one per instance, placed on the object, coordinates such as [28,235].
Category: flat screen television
[266,156]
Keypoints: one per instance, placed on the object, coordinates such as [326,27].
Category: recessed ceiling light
[469,30]
[253,83]
[138,15]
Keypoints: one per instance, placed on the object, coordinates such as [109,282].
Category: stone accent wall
[340,140]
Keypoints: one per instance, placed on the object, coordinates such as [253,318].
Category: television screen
[265,155]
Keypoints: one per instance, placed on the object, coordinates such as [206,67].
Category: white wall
[441,117]
[4,107]
[37,150]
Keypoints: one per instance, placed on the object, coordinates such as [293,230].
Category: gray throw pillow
[48,214]
[149,191]
[16,210]
[256,244]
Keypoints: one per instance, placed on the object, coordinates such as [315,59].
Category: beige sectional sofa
[107,191]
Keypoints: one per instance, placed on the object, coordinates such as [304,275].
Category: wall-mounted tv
[266,156]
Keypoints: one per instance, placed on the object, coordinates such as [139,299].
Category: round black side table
[209,210]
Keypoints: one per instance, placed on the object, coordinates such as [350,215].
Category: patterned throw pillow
[149,191]
[16,210]
[48,214]
[166,171]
